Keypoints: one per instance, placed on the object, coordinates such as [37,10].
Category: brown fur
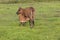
[26,14]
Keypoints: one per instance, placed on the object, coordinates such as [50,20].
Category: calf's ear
[19,9]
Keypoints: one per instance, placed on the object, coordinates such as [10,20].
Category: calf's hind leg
[31,22]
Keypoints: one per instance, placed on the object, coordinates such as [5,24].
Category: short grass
[47,22]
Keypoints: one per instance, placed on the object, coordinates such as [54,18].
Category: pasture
[47,22]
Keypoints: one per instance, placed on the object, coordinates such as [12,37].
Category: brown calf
[25,15]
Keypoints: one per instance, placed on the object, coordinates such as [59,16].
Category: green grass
[47,22]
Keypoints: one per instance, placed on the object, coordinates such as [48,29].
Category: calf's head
[19,10]
[21,16]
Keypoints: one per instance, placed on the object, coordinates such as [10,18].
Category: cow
[26,14]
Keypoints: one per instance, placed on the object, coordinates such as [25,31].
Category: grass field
[47,22]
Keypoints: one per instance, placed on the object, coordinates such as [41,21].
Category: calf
[25,15]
